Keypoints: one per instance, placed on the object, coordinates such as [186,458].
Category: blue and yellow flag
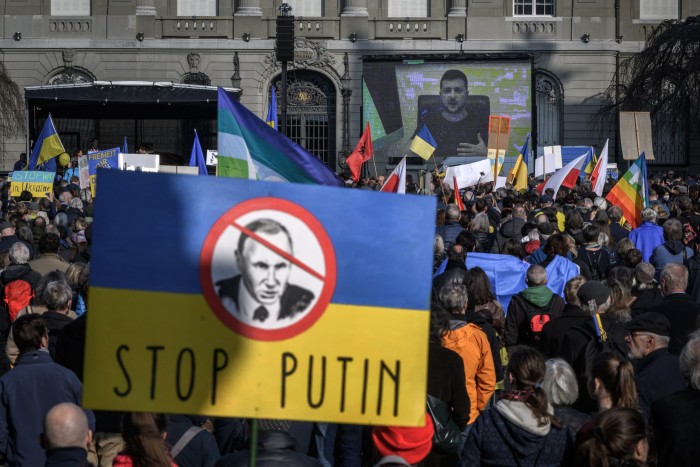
[261,303]
[588,165]
[423,143]
[48,146]
[519,174]
[272,111]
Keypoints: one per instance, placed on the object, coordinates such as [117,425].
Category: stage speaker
[285,38]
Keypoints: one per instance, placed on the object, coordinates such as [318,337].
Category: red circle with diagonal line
[229,219]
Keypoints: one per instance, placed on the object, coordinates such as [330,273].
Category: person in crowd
[438,251]
[510,229]
[403,445]
[672,250]
[562,391]
[481,228]
[471,343]
[57,297]
[455,269]
[7,232]
[618,232]
[531,309]
[593,254]
[66,437]
[646,290]
[191,444]
[520,429]
[619,438]
[553,332]
[573,226]
[580,341]
[446,380]
[680,309]
[674,417]
[649,235]
[452,227]
[620,300]
[29,391]
[144,438]
[657,372]
[48,259]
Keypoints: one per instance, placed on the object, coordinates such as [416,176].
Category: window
[196,7]
[313,8]
[533,7]
[70,7]
[658,9]
[549,96]
[408,9]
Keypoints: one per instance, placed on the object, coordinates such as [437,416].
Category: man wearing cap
[7,232]
[680,309]
[647,236]
[594,297]
[657,372]
[646,290]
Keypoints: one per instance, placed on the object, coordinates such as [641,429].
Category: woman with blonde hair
[481,228]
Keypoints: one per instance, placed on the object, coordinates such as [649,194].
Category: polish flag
[566,176]
[600,171]
[396,183]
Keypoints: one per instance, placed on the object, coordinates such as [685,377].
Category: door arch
[311,113]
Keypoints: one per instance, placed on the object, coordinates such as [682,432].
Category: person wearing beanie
[519,429]
[594,298]
[657,372]
[408,444]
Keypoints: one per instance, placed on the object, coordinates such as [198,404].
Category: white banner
[471,174]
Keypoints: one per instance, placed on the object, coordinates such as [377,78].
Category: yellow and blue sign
[38,183]
[262,302]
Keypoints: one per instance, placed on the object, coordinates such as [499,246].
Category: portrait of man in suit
[261,293]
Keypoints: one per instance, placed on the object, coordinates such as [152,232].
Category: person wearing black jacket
[552,338]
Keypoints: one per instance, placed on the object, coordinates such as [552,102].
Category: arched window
[407,9]
[549,98]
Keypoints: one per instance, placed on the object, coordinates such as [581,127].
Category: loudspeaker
[285,38]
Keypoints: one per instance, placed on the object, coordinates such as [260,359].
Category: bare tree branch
[12,120]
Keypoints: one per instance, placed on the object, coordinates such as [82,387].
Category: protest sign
[260,303]
[499,131]
[212,157]
[550,162]
[139,162]
[39,184]
[107,159]
[470,174]
[84,172]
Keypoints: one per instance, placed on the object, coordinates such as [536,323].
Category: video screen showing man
[261,292]
[458,128]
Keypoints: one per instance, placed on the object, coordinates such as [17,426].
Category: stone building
[574,45]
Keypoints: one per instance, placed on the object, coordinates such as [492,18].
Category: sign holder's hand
[468,149]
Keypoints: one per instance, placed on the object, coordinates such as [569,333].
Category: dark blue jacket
[27,393]
[494,441]
[67,457]
[657,375]
[201,451]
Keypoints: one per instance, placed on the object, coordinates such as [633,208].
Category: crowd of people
[595,360]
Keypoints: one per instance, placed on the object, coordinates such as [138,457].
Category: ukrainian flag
[588,165]
[423,143]
[272,111]
[519,173]
[158,341]
[48,145]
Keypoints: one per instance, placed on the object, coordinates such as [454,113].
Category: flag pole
[437,174]
[376,174]
[498,146]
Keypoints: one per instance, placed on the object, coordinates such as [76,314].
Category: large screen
[453,99]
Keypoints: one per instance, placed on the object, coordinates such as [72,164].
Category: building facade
[576,47]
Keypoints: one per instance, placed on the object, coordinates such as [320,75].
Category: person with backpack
[531,309]
[18,281]
[596,335]
[593,254]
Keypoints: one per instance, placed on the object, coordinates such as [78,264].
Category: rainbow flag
[250,148]
[631,192]
[47,147]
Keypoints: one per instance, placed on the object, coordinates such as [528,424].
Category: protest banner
[261,303]
[84,172]
[636,136]
[499,131]
[107,159]
[470,174]
[38,183]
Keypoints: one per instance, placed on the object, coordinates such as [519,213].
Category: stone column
[458,8]
[249,8]
[145,8]
[355,8]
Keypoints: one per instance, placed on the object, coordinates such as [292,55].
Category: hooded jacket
[509,435]
[669,252]
[472,345]
[510,229]
[532,300]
